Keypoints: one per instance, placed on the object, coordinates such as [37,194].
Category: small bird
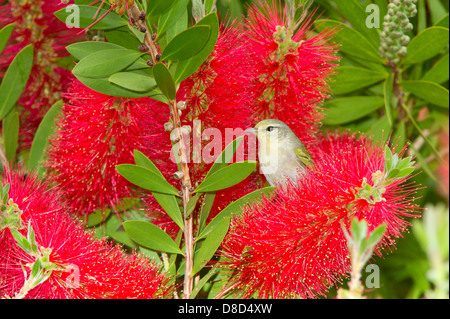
[281,154]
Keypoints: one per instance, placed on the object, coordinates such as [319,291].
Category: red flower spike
[96,133]
[292,68]
[293,245]
[85,267]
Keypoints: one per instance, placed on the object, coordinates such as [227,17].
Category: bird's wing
[303,156]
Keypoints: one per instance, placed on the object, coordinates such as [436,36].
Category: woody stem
[152,49]
[186,180]
[186,195]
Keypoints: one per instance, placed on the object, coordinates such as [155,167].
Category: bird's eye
[270,128]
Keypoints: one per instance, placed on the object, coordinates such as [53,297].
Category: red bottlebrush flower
[293,245]
[292,67]
[81,266]
[96,133]
[36,24]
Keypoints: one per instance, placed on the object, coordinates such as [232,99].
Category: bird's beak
[250,130]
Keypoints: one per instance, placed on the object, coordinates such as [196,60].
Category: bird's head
[271,129]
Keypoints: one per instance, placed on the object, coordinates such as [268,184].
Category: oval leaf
[355,14]
[150,236]
[102,85]
[40,140]
[11,134]
[164,80]
[81,16]
[170,205]
[5,33]
[429,91]
[388,94]
[83,49]
[157,7]
[15,79]
[133,81]
[439,73]
[236,208]
[352,42]
[146,179]
[352,78]
[186,43]
[347,109]
[226,177]
[426,45]
[105,63]
[186,67]
[210,245]
[225,157]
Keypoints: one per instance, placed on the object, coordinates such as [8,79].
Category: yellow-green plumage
[281,154]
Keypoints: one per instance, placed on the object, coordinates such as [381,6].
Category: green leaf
[375,236]
[40,140]
[406,162]
[97,217]
[191,205]
[226,177]
[225,157]
[236,208]
[133,81]
[202,282]
[439,73]
[387,158]
[146,179]
[208,201]
[405,172]
[186,67]
[86,15]
[437,10]
[180,25]
[443,22]
[356,15]
[400,135]
[170,205]
[348,109]
[171,17]
[388,94]
[21,240]
[426,45]
[168,202]
[210,245]
[102,85]
[157,7]
[141,160]
[352,42]
[393,173]
[351,78]
[380,130]
[11,134]
[164,80]
[105,63]
[122,37]
[81,50]
[150,236]
[428,91]
[186,44]
[15,79]
[5,33]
